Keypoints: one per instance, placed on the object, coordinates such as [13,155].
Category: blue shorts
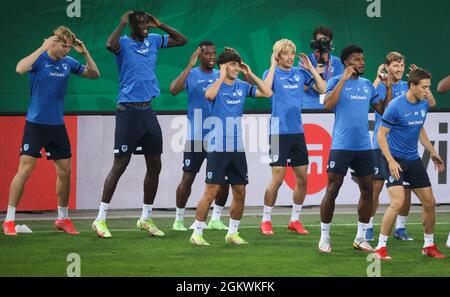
[288,150]
[53,138]
[137,131]
[380,164]
[360,162]
[194,155]
[224,168]
[413,176]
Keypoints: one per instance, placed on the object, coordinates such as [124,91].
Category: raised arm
[271,74]
[26,63]
[175,37]
[444,85]
[263,90]
[333,97]
[320,85]
[112,43]
[211,92]
[177,85]
[91,71]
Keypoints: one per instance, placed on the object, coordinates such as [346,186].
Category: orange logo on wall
[318,141]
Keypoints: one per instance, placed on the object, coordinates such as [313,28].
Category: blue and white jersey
[288,92]
[199,108]
[398,89]
[136,62]
[311,99]
[405,120]
[226,115]
[48,85]
[351,125]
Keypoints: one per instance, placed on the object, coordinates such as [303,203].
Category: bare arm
[91,71]
[26,63]
[271,74]
[112,44]
[444,85]
[431,100]
[263,90]
[211,92]
[394,167]
[333,97]
[175,37]
[320,85]
[177,85]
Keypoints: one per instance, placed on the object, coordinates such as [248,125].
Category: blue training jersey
[226,115]
[405,120]
[351,125]
[398,89]
[311,99]
[48,85]
[136,63]
[199,108]
[288,92]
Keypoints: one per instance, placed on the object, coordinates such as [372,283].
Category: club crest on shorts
[187,162]
[26,146]
[124,148]
[209,175]
[332,164]
[391,179]
[275,158]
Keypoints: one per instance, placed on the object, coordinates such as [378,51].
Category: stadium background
[416,28]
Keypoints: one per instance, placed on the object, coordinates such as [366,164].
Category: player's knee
[25,170]
[301,180]
[333,187]
[429,204]
[64,171]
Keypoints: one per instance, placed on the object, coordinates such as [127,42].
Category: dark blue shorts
[137,131]
[288,150]
[380,164]
[413,176]
[53,138]
[224,168]
[360,162]
[194,155]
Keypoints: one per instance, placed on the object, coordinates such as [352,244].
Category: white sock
[11,214]
[361,233]
[233,226]
[324,230]
[296,211]
[146,211]
[370,224]
[198,227]
[382,241]
[428,239]
[267,213]
[179,214]
[401,222]
[102,211]
[217,212]
[63,213]
[448,240]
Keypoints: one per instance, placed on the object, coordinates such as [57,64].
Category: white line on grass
[245,227]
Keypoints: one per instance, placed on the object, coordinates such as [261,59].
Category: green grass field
[133,253]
